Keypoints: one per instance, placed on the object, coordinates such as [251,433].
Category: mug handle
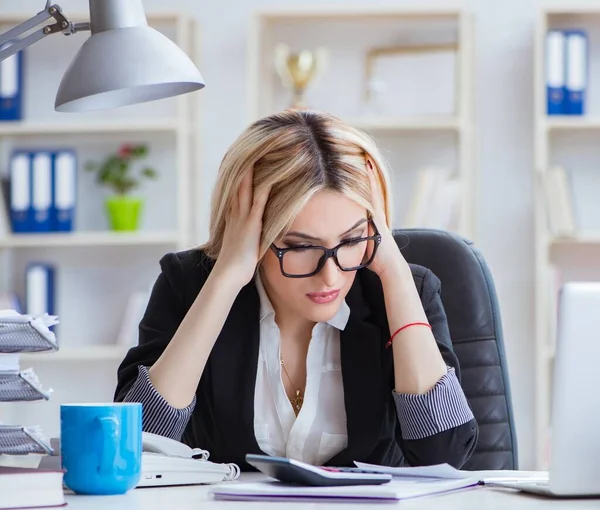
[110,429]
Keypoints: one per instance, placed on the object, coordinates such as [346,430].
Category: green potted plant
[116,172]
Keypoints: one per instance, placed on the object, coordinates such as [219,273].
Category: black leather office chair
[469,297]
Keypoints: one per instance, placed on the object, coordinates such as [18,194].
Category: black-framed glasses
[349,255]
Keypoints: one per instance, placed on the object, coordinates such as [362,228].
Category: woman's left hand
[388,257]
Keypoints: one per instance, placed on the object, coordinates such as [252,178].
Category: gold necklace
[298,400]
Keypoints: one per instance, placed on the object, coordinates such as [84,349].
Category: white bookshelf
[570,142]
[582,239]
[91,239]
[406,124]
[409,142]
[97,269]
[571,123]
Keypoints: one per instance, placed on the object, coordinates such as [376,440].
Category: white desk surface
[197,498]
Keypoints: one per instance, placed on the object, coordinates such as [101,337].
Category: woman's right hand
[243,227]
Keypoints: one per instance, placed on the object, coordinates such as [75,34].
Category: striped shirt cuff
[441,408]
[158,416]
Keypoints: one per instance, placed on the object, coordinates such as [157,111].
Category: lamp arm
[50,11]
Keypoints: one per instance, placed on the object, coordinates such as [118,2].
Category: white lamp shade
[125,66]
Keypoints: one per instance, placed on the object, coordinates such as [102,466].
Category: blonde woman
[298,329]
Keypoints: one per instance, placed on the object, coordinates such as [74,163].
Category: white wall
[504,136]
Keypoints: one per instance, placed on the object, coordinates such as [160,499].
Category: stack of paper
[407,483]
[17,440]
[21,385]
[23,333]
[396,490]
[435,202]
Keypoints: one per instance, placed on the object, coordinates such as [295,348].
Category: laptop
[574,469]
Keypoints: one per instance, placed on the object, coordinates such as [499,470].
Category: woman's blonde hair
[297,153]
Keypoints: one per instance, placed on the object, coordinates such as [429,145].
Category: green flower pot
[124,212]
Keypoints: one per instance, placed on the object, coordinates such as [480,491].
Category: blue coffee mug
[101,447]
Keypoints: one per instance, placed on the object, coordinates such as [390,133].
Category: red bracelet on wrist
[404,327]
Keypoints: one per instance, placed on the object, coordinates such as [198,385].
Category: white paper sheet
[444,471]
[447,472]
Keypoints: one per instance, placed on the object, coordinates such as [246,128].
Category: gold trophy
[297,70]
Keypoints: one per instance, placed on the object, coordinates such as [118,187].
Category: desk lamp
[123,62]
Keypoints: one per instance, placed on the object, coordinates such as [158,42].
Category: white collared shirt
[319,432]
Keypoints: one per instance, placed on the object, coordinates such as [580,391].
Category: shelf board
[89,239]
[574,9]
[565,122]
[327,12]
[14,18]
[16,128]
[591,239]
[84,353]
[405,124]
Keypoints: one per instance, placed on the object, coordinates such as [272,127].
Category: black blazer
[222,421]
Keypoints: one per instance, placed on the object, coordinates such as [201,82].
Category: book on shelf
[11,86]
[585,184]
[64,190]
[134,311]
[40,288]
[555,72]
[435,201]
[43,190]
[566,72]
[558,202]
[5,210]
[576,72]
[570,200]
[20,195]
